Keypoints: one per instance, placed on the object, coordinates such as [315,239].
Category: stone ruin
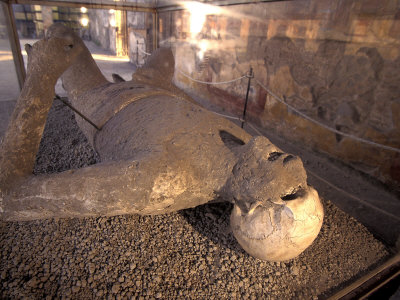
[160,152]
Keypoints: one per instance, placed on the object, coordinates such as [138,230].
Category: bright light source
[113,23]
[198,12]
[83,10]
[203,45]
[201,8]
[84,21]
[196,22]
[111,11]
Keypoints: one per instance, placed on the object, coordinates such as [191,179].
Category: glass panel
[9,87]
[118,40]
[143,3]
[140,36]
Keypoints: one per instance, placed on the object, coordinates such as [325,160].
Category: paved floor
[9,88]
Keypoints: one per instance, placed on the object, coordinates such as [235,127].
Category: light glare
[203,45]
[198,13]
[84,21]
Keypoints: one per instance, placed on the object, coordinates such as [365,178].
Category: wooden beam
[117,6]
[14,43]
[155,30]
[179,6]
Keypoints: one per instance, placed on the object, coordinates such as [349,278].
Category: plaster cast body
[160,152]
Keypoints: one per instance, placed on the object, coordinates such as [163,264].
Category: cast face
[276,215]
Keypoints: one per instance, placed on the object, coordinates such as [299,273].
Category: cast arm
[102,189]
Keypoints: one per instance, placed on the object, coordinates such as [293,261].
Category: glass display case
[319,79]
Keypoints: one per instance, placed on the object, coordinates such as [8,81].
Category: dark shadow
[212,221]
[338,136]
[117,78]
[63,145]
[232,142]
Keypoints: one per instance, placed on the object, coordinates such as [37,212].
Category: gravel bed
[187,254]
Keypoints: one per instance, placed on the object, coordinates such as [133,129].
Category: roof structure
[134,5]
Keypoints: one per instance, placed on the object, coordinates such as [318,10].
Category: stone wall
[101,32]
[336,61]
[140,31]
[123,33]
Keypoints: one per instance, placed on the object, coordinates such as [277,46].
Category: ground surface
[190,254]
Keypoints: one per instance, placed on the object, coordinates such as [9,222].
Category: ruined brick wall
[336,61]
[140,41]
[100,30]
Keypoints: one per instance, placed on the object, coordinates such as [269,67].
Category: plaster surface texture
[160,152]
